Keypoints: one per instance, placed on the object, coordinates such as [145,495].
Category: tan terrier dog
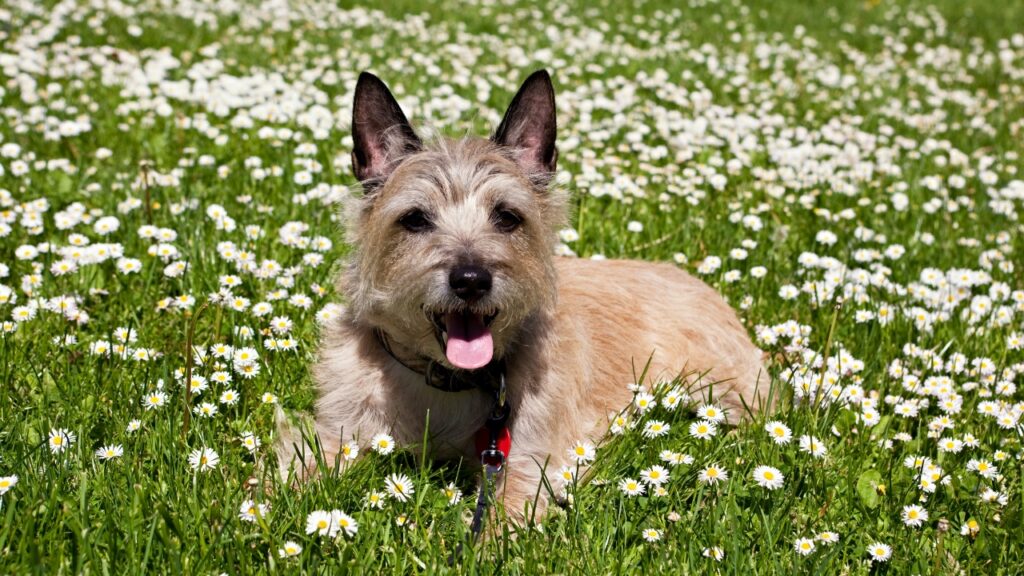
[453,289]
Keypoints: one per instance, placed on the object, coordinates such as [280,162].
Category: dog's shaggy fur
[572,333]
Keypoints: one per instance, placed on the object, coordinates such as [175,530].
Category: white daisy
[203,459]
[399,486]
[768,477]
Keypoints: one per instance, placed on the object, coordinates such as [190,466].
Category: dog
[454,298]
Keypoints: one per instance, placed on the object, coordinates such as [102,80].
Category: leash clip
[493,459]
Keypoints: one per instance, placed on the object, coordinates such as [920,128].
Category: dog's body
[453,265]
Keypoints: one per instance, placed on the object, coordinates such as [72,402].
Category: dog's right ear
[528,127]
[381,134]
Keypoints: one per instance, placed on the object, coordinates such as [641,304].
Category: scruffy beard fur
[573,334]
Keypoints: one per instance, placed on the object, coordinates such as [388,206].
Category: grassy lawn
[847,174]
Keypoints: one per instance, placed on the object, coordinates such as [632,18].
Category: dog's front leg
[522,488]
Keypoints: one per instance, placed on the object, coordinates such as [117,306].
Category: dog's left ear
[529,126]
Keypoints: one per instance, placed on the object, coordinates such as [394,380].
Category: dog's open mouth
[466,336]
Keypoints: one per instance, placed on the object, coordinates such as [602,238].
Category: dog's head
[453,239]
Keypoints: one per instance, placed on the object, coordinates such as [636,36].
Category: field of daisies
[848,176]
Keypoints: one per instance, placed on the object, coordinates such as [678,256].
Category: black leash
[495,449]
[492,458]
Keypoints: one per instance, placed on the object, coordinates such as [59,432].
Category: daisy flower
[203,459]
[828,537]
[198,385]
[229,397]
[582,452]
[713,474]
[349,451]
[656,428]
[250,511]
[133,426]
[250,441]
[399,486]
[567,474]
[60,439]
[917,462]
[768,477]
[651,535]
[673,398]
[631,487]
[711,413]
[319,522]
[619,424]
[205,410]
[452,493]
[154,400]
[655,475]
[644,401]
[675,458]
[970,528]
[779,432]
[289,550]
[6,483]
[344,523]
[715,553]
[383,444]
[375,500]
[110,452]
[914,515]
[703,429]
[221,377]
[880,552]
[803,546]
[983,467]
[811,445]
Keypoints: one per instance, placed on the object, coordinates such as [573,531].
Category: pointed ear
[529,126]
[381,134]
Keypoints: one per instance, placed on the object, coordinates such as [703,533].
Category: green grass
[911,83]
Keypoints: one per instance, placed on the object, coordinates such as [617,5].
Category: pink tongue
[470,345]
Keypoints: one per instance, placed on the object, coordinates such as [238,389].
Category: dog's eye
[416,221]
[506,220]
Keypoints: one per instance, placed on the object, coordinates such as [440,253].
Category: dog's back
[632,312]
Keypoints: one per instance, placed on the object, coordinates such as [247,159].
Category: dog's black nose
[469,283]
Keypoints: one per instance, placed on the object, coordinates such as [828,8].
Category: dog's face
[453,240]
